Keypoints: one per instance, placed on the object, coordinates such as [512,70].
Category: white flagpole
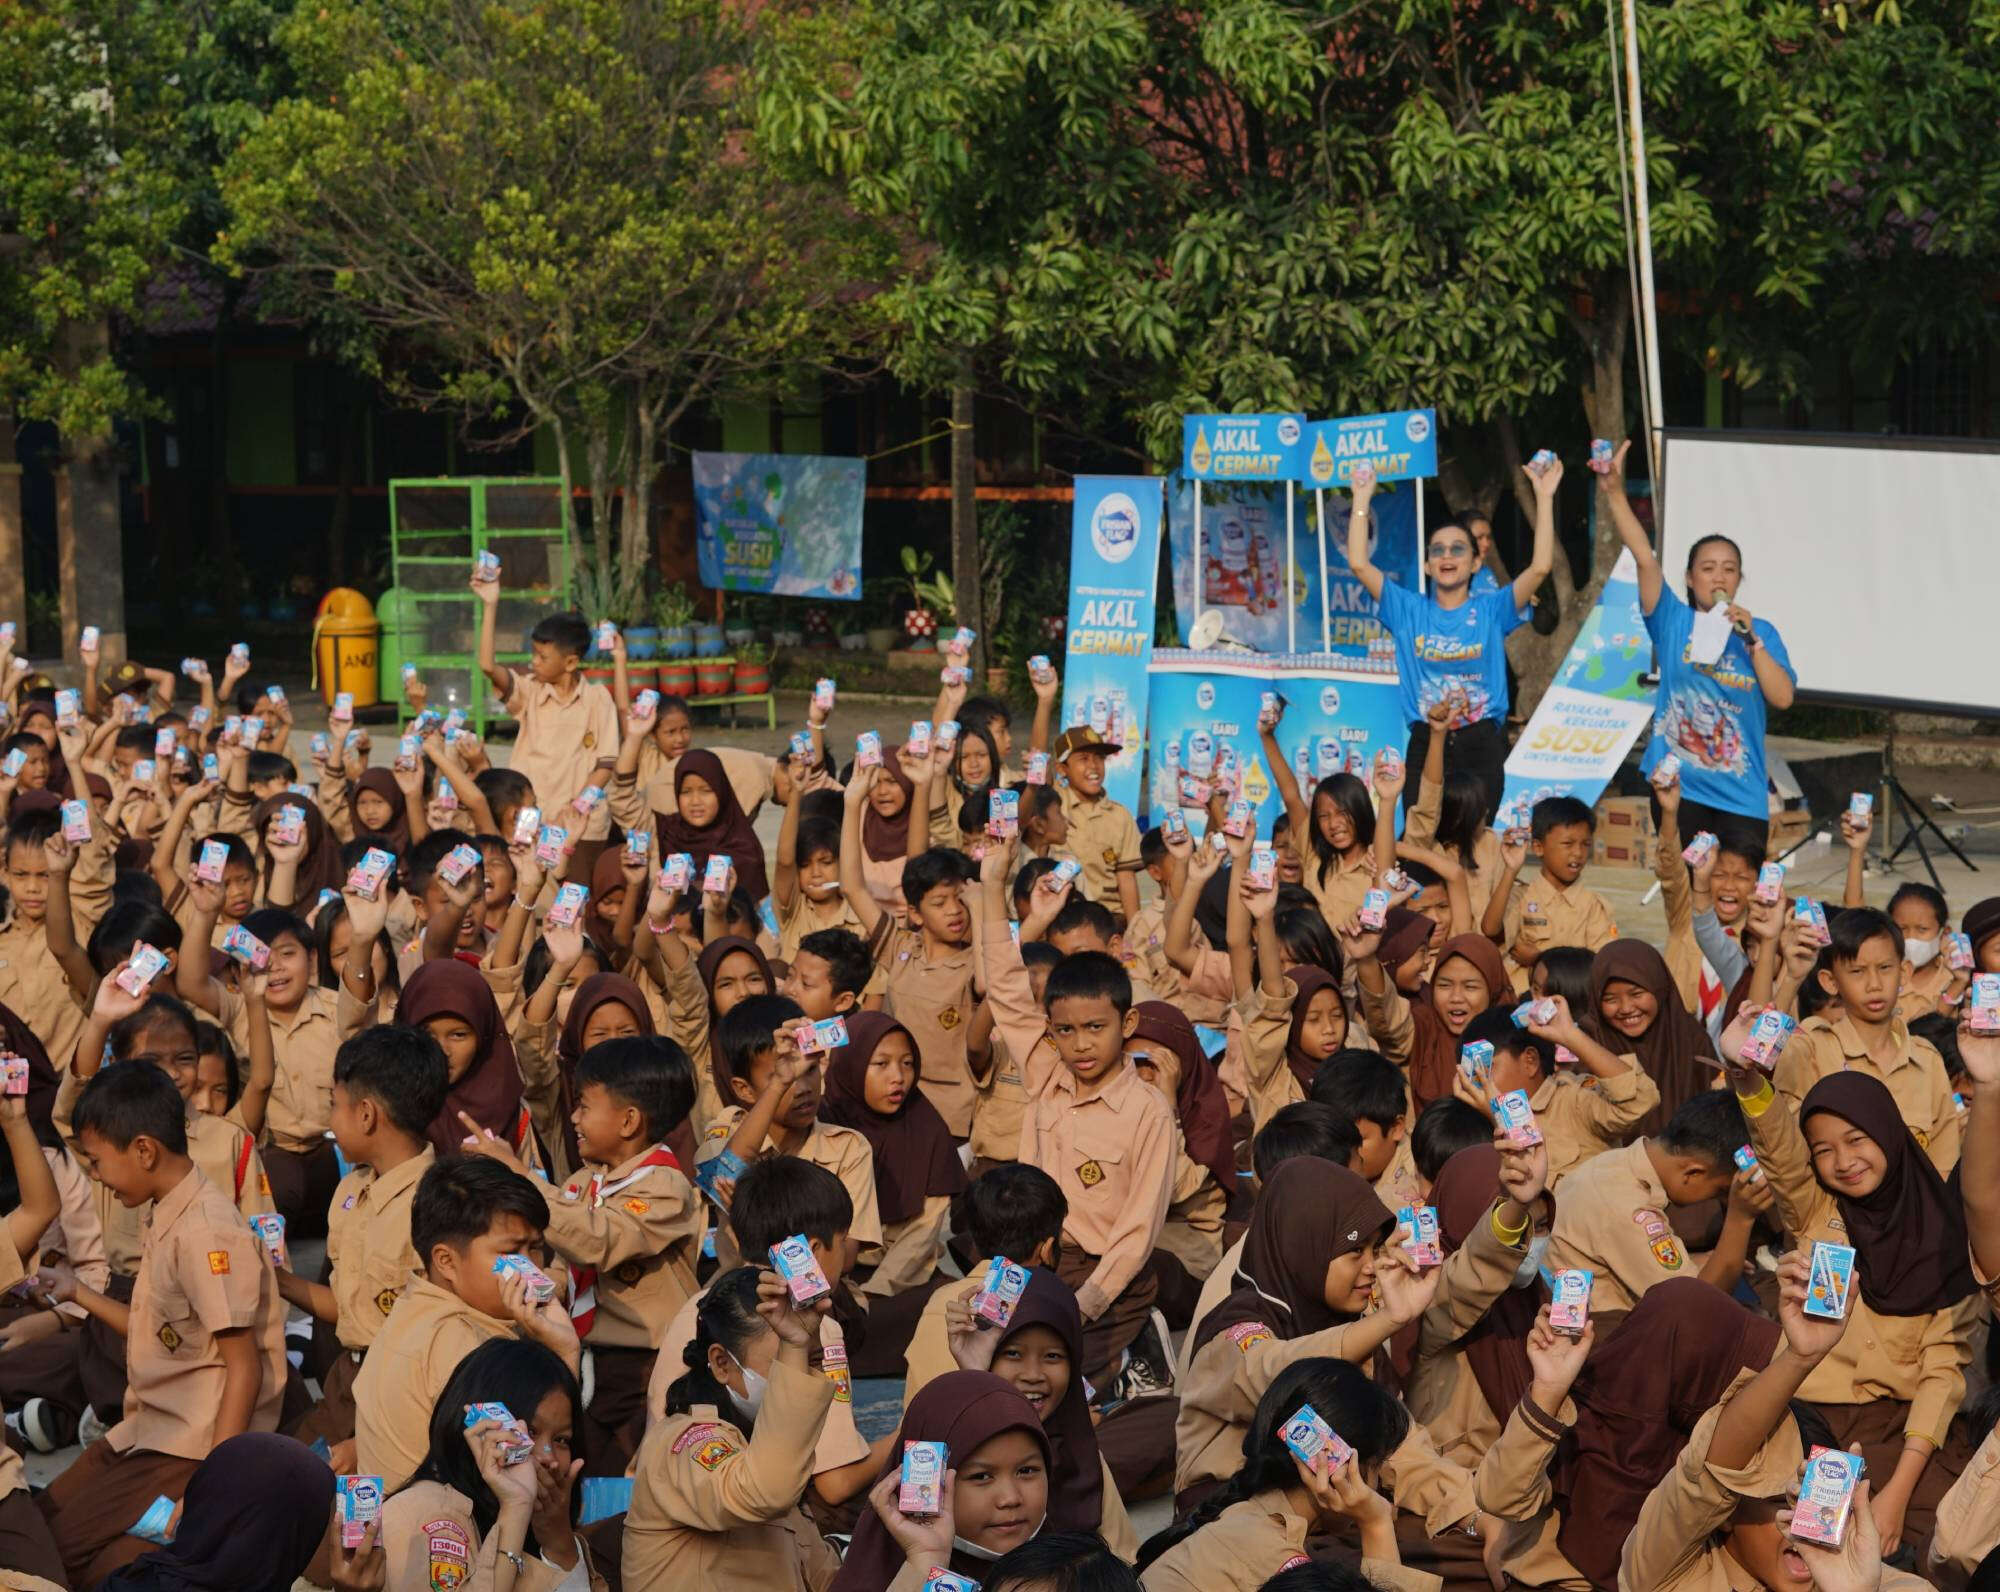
[1649,349]
[1325,608]
[1197,556]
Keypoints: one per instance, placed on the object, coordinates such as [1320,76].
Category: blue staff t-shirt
[1484,580]
[1441,648]
[1711,714]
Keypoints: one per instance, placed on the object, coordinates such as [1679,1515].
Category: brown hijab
[1308,1215]
[729,833]
[1308,978]
[915,1158]
[1434,1047]
[382,782]
[1198,1099]
[1671,1049]
[888,839]
[1909,1235]
[1496,1349]
[490,1092]
[706,965]
[1644,1387]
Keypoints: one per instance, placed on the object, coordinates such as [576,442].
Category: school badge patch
[385,1301]
[1090,1174]
[218,1262]
[833,1364]
[447,1555]
[948,1019]
[1110,856]
[629,1273]
[1246,1335]
[713,1452]
[638,1207]
[170,1340]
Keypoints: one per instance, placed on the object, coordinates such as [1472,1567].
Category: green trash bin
[402,637]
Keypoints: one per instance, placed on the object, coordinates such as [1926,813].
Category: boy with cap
[1102,833]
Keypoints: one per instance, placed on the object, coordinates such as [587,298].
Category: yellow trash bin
[346,638]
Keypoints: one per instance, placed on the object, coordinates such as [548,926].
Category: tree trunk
[1606,335]
[221,542]
[965,521]
[90,537]
[13,542]
[566,509]
[636,523]
[597,454]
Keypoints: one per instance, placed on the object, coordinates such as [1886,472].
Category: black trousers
[1741,834]
[1479,749]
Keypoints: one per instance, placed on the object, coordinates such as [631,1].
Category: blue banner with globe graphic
[785,523]
[1114,577]
[1587,721]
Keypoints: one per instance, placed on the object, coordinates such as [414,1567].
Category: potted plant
[752,675]
[674,609]
[740,628]
[712,676]
[931,598]
[818,628]
[786,630]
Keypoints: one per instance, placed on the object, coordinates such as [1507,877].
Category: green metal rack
[437,528]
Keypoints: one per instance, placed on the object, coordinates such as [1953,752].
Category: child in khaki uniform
[1554,908]
[1581,1113]
[1864,969]
[1102,835]
[204,1331]
[388,1087]
[466,1215]
[927,968]
[569,726]
[715,1497]
[40,965]
[629,1224]
[1256,1526]
[1103,1134]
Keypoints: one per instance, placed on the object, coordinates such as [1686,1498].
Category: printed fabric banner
[1243,555]
[1401,446]
[1204,720]
[787,523]
[1114,576]
[1599,703]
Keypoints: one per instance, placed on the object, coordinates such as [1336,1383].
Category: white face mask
[751,1399]
[972,1550]
[1531,1263]
[1921,952]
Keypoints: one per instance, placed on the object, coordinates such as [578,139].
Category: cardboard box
[1625,835]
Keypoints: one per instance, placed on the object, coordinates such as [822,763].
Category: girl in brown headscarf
[451,1000]
[1314,1253]
[1635,1008]
[885,833]
[1162,1047]
[1422,1035]
[1294,1014]
[710,822]
[871,1087]
[377,806]
[1847,1170]
[605,1006]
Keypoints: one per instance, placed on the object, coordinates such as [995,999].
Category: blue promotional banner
[1114,573]
[1243,555]
[1241,447]
[779,522]
[1401,446]
[1587,721]
[1204,720]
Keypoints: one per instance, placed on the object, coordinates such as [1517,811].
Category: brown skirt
[1878,1428]
[90,1505]
[1106,1339]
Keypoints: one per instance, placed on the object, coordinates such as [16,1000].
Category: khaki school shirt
[1002,1101]
[1105,842]
[909,1251]
[561,741]
[714,1509]
[1673,1547]
[842,1151]
[839,1443]
[76,1233]
[1249,1543]
[1968,1516]
[1582,1115]
[306,1040]
[1146,943]
[1111,1152]
[432,1541]
[368,1246]
[931,997]
[202,1272]
[1512,1483]
[413,1355]
[1612,1218]
[1420,829]
[34,985]
[1918,1358]
[807,916]
[640,1226]
[1543,914]
[1347,882]
[1441,1391]
[1267,1074]
[1916,1077]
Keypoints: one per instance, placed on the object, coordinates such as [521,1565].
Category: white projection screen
[1874,558]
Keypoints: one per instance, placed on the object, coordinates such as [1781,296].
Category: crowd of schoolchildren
[1353,1188]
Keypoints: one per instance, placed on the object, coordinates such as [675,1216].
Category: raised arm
[1529,581]
[1281,773]
[1047,687]
[1612,500]
[785,866]
[58,926]
[1358,560]
[853,884]
[1979,1161]
[488,593]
